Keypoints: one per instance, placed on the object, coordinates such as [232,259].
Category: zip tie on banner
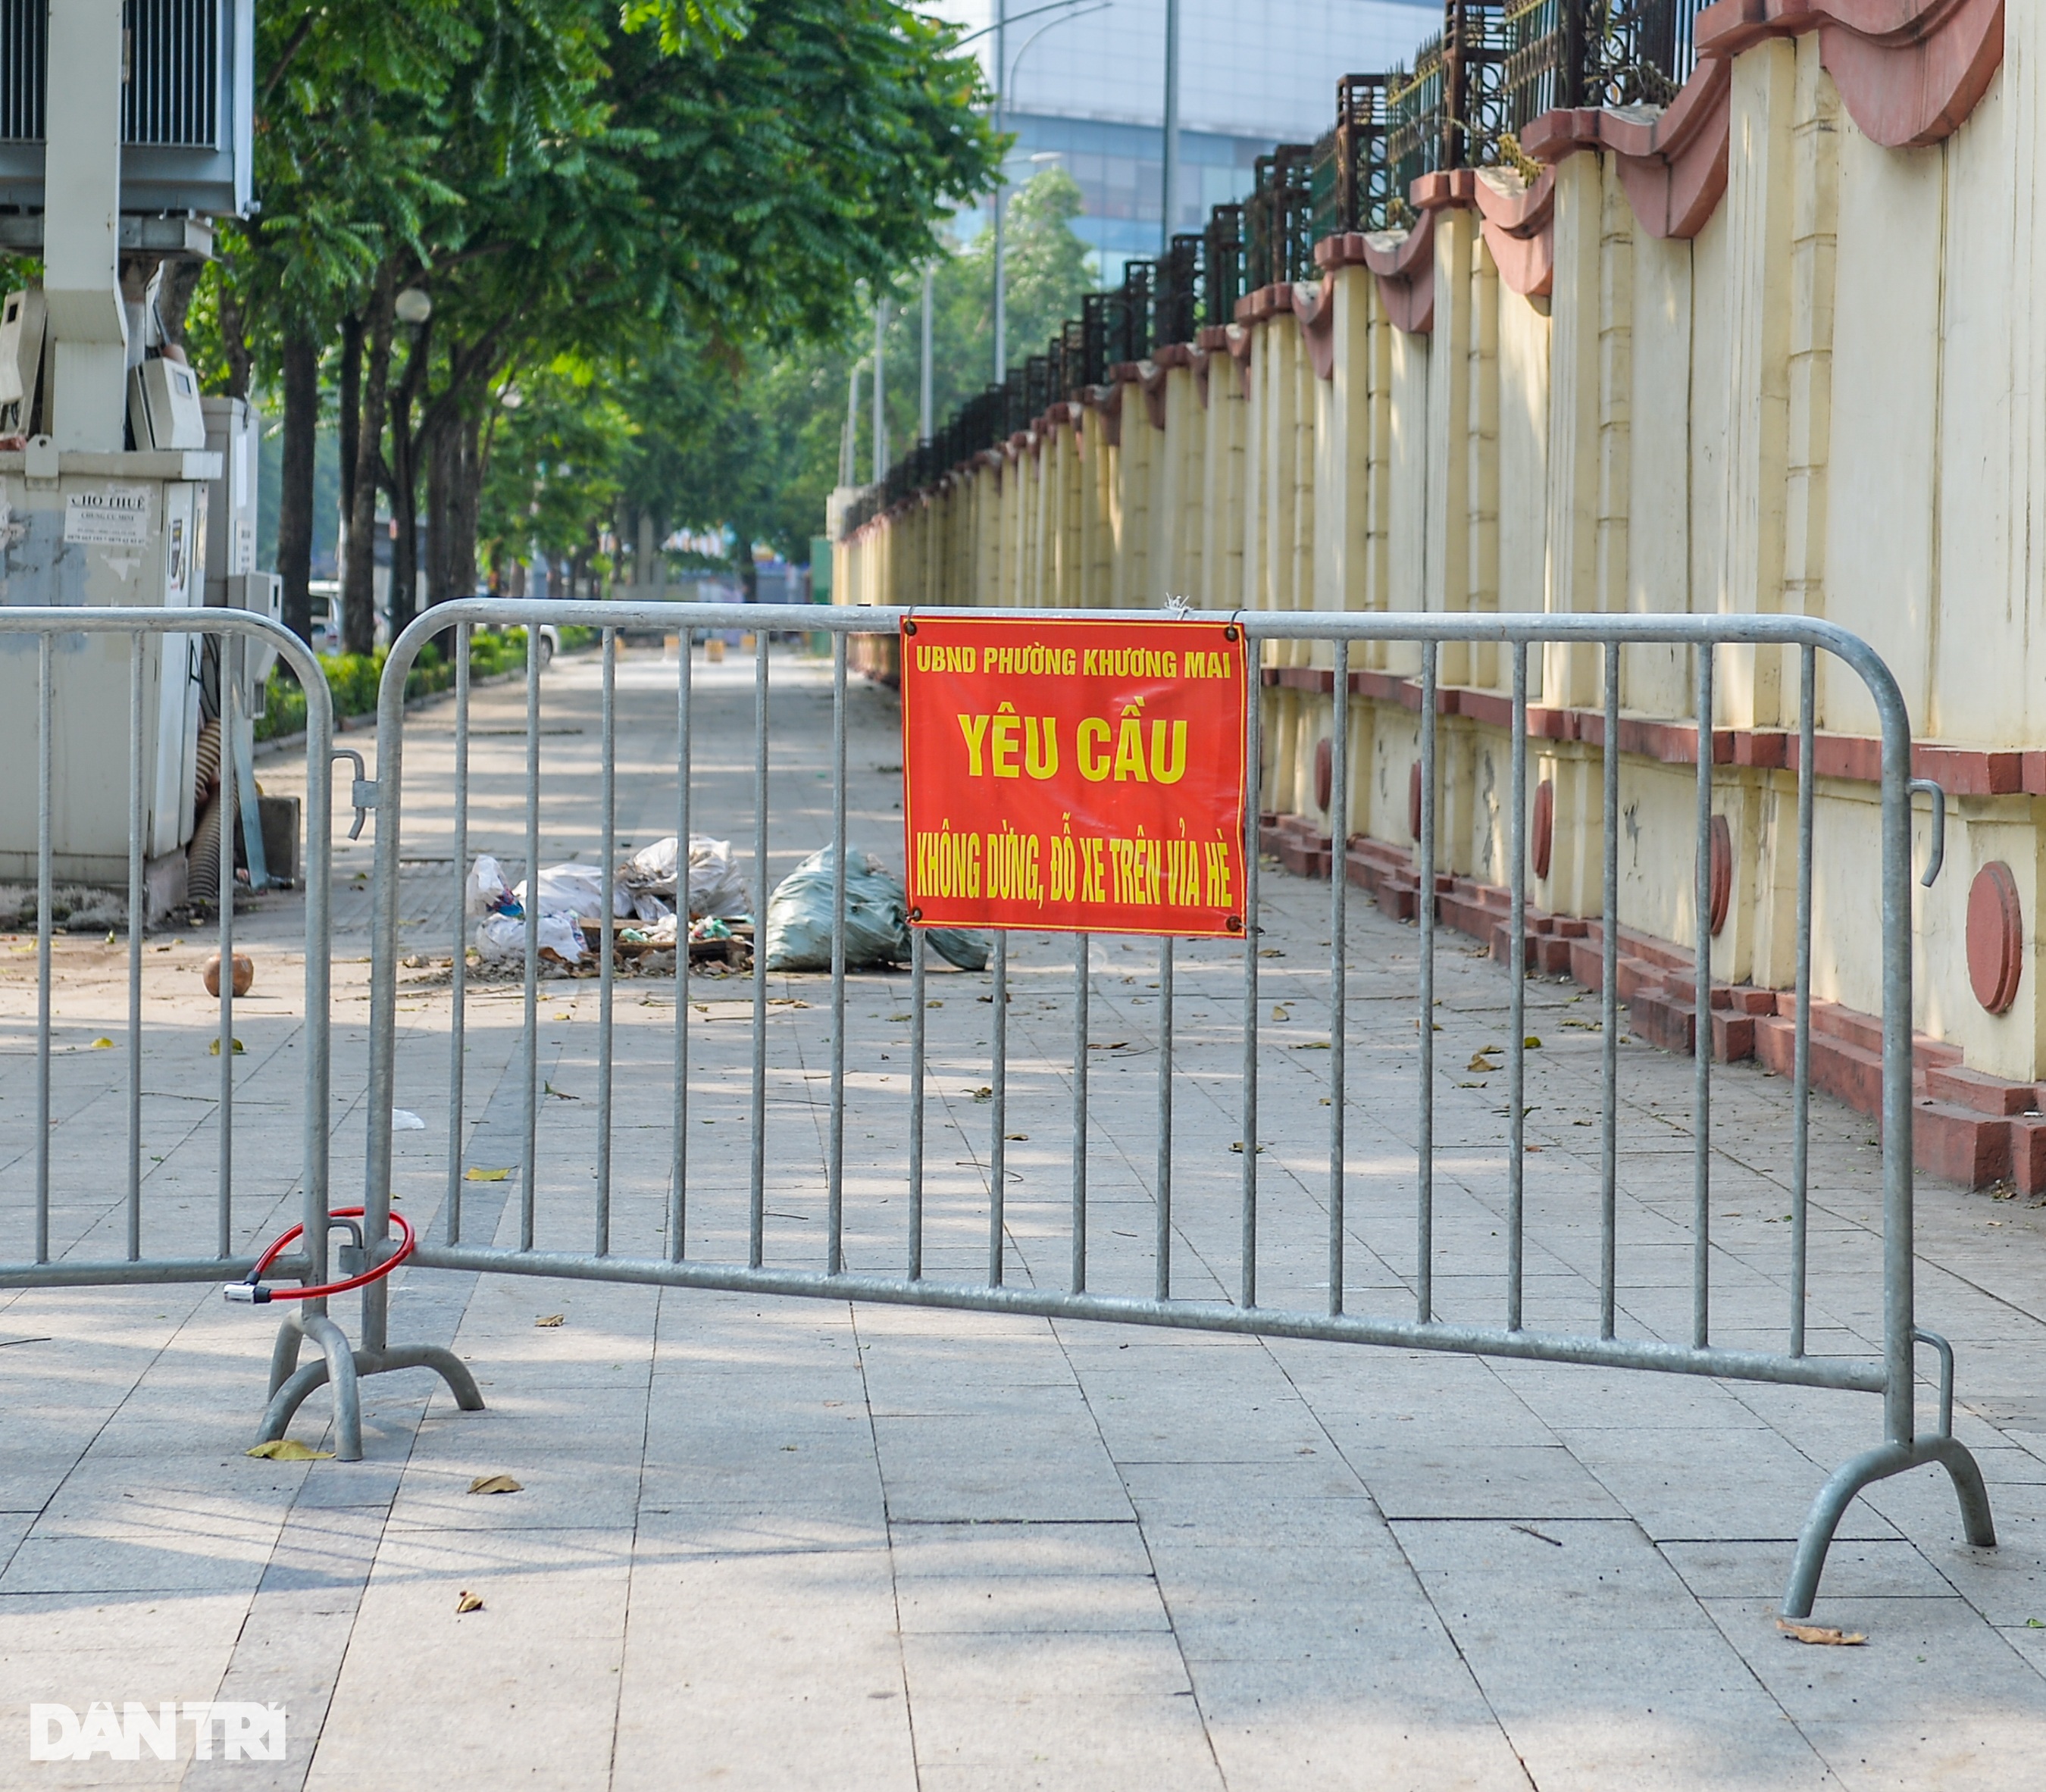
[250,1292]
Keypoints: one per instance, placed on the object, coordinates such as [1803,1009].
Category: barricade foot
[284,1353]
[346,1368]
[445,1364]
[1865,1470]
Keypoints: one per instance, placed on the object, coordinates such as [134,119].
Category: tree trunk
[179,280]
[358,592]
[441,450]
[466,505]
[295,495]
[404,486]
[234,343]
[350,405]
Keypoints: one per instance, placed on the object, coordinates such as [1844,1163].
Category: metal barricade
[78,672]
[667,1198]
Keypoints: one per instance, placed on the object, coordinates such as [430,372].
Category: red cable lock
[248,1291]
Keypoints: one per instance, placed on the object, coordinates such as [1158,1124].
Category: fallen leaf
[288,1450]
[1112,1045]
[1831,1635]
[985,1092]
[495,1484]
[213,1049]
[1018,1136]
[468,1602]
[102,1043]
[559,1094]
[476,1173]
[1531,1043]
[1280,1014]
[551,1320]
[1481,1062]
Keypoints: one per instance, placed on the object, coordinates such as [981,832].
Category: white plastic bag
[575,889]
[486,892]
[716,885]
[502,936]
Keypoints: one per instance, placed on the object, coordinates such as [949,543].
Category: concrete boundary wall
[1774,350]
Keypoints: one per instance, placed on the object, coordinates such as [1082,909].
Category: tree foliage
[609,210]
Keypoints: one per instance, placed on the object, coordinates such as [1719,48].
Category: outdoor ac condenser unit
[187,107]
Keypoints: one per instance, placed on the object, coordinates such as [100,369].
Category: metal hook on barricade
[1939,796]
[364,794]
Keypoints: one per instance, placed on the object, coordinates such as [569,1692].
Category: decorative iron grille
[1280,214]
[1225,262]
[1177,310]
[1351,185]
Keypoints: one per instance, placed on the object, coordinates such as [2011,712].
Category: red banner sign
[1086,776]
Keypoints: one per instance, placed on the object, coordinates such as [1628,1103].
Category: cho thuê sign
[1085,777]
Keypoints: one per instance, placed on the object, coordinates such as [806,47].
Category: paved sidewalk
[786,1544]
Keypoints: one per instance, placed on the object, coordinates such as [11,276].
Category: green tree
[562,178]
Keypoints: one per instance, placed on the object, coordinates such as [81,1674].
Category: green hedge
[353,678]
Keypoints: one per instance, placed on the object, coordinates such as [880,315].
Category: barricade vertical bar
[997,1150]
[917,1031]
[607,942]
[835,1169]
[1516,1062]
[1800,1073]
[1701,1024]
[230,664]
[528,1161]
[678,1211]
[1339,962]
[136,916]
[458,965]
[1253,797]
[44,897]
[1424,1248]
[1164,1246]
[1609,1008]
[1081,991]
[757,1215]
[1899,1258]
[318,886]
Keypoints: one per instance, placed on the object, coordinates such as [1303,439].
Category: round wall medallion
[1325,771]
[1542,833]
[1720,874]
[1414,801]
[1996,937]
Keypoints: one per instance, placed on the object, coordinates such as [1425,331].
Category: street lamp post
[1169,181]
[1005,73]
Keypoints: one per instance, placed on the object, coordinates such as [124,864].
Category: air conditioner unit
[187,105]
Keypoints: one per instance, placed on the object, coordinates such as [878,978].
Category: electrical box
[187,105]
[23,317]
[97,531]
[163,408]
[231,432]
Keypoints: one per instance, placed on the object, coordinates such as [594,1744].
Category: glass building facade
[1086,90]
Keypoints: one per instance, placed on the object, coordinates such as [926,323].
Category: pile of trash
[647,928]
[650,932]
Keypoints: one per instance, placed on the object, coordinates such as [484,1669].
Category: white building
[1086,84]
